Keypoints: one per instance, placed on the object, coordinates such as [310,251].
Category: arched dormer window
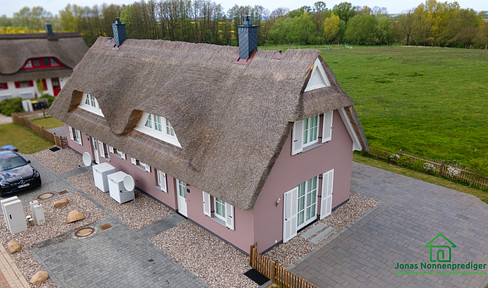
[157,127]
[90,103]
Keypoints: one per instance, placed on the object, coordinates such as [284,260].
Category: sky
[394,6]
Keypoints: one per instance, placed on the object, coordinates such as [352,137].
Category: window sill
[160,188]
[218,220]
[315,145]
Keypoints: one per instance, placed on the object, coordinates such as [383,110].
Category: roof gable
[231,120]
[318,79]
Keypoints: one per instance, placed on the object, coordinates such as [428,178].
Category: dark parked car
[16,173]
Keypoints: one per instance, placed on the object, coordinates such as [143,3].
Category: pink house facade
[252,150]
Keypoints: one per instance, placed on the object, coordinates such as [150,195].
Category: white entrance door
[290,214]
[181,196]
[327,191]
[95,150]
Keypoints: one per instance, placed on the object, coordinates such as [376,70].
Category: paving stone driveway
[115,257]
[411,214]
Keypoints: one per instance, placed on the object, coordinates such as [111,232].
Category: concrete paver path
[5,119]
[411,214]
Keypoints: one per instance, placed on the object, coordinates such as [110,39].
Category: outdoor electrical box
[38,214]
[100,173]
[13,213]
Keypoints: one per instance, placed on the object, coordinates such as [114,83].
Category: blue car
[16,174]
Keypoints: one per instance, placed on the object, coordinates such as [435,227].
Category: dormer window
[90,103]
[41,63]
[157,127]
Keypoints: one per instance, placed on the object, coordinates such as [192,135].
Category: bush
[49,98]
[11,105]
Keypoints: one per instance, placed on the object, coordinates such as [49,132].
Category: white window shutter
[206,204]
[147,167]
[290,214]
[297,138]
[327,127]
[70,129]
[162,177]
[102,150]
[78,136]
[133,161]
[327,191]
[111,149]
[122,154]
[229,210]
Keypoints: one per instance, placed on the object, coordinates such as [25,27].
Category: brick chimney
[49,29]
[248,38]
[119,32]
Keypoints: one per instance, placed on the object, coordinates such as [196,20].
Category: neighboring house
[252,149]
[36,64]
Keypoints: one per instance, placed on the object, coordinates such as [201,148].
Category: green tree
[344,10]
[404,27]
[384,30]
[361,29]
[331,27]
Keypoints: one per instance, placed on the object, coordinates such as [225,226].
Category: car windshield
[11,162]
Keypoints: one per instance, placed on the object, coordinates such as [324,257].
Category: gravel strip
[55,225]
[288,253]
[205,255]
[60,161]
[146,210]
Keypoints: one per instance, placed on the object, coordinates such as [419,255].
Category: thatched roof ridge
[15,49]
[230,119]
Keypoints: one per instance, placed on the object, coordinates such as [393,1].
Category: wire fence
[432,167]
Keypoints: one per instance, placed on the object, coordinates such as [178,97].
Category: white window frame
[308,128]
[75,135]
[298,133]
[117,152]
[90,103]
[140,164]
[151,129]
[307,201]
[161,180]
[104,150]
[210,207]
[217,202]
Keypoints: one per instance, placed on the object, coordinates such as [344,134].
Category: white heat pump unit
[14,215]
[121,187]
[100,173]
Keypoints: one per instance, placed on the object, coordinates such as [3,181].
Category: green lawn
[427,101]
[48,122]
[22,138]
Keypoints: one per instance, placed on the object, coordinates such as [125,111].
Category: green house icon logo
[440,249]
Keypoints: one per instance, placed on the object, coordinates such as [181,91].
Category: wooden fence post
[442,168]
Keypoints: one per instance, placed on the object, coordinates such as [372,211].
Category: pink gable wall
[289,171]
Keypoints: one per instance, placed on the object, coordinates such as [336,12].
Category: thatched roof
[231,120]
[15,49]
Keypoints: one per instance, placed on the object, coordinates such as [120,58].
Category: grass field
[22,138]
[48,122]
[427,101]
